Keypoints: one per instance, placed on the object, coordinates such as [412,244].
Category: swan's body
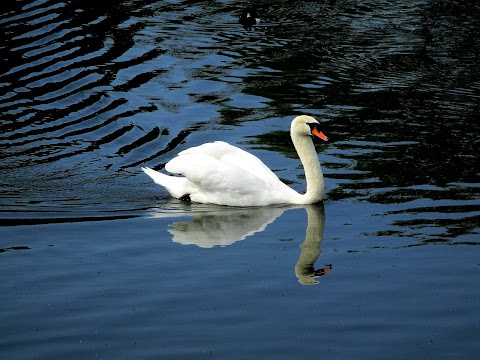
[219,173]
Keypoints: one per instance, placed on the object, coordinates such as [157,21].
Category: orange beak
[319,134]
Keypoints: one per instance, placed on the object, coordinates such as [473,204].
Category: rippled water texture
[96,260]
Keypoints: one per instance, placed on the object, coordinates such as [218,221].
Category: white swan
[219,173]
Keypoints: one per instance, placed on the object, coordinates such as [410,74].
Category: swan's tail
[176,186]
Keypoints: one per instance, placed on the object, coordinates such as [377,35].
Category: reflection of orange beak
[319,134]
[323,271]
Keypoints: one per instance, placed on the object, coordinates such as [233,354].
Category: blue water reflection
[92,91]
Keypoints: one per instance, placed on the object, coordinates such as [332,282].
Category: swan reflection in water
[221,226]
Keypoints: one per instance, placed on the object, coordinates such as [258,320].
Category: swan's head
[305,125]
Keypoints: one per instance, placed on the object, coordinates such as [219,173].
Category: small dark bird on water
[249,18]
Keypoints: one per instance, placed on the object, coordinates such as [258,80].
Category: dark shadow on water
[14,248]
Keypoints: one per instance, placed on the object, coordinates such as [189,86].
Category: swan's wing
[215,149]
[233,155]
[217,181]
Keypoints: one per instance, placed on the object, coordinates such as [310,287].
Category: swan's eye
[313,126]
[315,131]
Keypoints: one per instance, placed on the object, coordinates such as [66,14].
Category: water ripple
[91,93]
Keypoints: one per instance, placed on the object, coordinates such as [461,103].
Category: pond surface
[98,262]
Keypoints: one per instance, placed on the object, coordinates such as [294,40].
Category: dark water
[97,261]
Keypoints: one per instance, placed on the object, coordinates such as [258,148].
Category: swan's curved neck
[313,172]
